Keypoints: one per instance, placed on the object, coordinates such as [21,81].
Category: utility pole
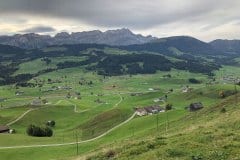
[133,131]
[166,122]
[157,124]
[76,134]
[236,92]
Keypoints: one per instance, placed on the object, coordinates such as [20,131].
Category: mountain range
[125,39]
[119,37]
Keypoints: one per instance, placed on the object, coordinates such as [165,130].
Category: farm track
[23,115]
[72,143]
[75,110]
[20,117]
[75,106]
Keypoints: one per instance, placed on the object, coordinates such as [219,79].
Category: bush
[110,154]
[150,146]
[37,131]
[223,110]
[51,123]
[193,80]
[168,107]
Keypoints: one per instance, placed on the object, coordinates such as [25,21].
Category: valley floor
[97,120]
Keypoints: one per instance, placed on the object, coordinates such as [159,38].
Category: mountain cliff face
[119,37]
[28,41]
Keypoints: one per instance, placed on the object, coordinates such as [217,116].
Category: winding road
[71,143]
[75,110]
[20,117]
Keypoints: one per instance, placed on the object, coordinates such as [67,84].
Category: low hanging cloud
[132,13]
[38,29]
[138,15]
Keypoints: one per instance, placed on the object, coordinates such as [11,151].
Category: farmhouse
[18,93]
[36,102]
[64,88]
[195,106]
[141,112]
[186,89]
[148,110]
[4,129]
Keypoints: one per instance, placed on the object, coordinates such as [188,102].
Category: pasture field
[85,106]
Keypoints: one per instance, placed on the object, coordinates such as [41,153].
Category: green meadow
[85,106]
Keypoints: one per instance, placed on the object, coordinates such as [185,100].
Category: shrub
[110,154]
[150,146]
[168,107]
[221,94]
[193,80]
[223,110]
[51,123]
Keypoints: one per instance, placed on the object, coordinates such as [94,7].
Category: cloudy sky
[203,19]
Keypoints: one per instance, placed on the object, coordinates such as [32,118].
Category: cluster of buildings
[148,110]
[231,79]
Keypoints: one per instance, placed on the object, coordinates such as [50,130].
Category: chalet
[36,102]
[148,110]
[4,129]
[64,88]
[195,106]
[141,112]
[153,109]
[161,99]
[18,93]
[186,89]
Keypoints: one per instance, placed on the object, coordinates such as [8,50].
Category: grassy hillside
[97,110]
[212,133]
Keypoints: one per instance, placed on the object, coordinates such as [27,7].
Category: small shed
[195,106]
[4,129]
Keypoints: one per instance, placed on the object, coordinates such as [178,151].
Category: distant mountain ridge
[125,39]
[176,45]
[119,37]
[227,46]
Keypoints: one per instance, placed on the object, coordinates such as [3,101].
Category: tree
[44,101]
[51,123]
[193,80]
[48,132]
[37,131]
[168,107]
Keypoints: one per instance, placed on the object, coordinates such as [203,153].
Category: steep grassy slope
[211,133]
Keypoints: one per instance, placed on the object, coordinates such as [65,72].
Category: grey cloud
[133,14]
[125,13]
[38,29]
